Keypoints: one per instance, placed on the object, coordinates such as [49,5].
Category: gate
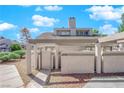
[113,62]
[77,62]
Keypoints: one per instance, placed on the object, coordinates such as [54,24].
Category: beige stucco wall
[113,62]
[65,48]
[77,63]
[32,59]
[46,59]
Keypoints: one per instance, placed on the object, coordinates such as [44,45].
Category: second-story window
[81,33]
[86,33]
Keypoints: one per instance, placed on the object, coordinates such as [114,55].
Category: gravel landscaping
[58,80]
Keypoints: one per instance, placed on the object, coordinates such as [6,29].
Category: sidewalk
[106,82]
[9,77]
[39,80]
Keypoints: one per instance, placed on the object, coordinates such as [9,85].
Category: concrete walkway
[39,80]
[9,77]
[106,82]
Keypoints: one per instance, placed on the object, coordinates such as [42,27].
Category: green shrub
[15,47]
[14,56]
[20,52]
[4,53]
[4,58]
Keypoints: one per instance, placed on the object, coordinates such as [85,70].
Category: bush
[14,56]
[20,52]
[15,47]
[4,58]
[4,53]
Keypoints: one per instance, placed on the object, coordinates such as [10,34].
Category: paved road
[106,82]
[9,77]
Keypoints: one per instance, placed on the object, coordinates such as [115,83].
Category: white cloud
[38,9]
[25,5]
[53,8]
[108,29]
[105,12]
[18,36]
[34,30]
[39,20]
[6,26]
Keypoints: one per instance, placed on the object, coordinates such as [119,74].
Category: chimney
[72,22]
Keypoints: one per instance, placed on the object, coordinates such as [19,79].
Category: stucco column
[98,57]
[121,46]
[28,58]
[56,59]
[39,58]
[35,56]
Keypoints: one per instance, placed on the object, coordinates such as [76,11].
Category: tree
[95,32]
[25,35]
[15,47]
[121,27]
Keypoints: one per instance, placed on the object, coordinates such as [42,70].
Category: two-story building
[5,44]
[72,30]
[58,42]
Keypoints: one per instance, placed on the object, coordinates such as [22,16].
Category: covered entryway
[112,58]
[50,54]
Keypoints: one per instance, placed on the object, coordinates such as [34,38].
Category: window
[86,33]
[80,33]
[65,33]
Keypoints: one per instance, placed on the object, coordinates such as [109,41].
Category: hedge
[20,52]
[4,53]
[5,58]
[14,56]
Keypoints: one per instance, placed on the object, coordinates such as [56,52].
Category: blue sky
[39,19]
